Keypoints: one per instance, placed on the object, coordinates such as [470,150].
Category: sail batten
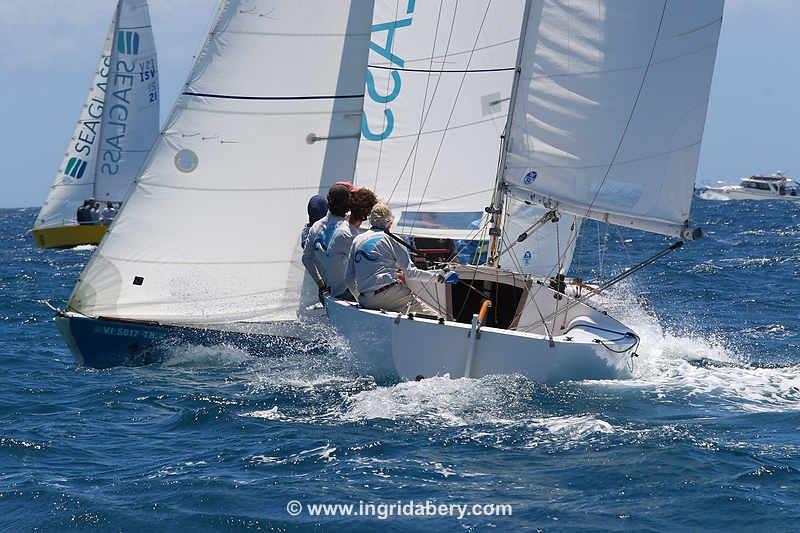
[612,106]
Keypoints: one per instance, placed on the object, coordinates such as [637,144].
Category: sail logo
[128,42]
[385,51]
[530,177]
[526,257]
[75,167]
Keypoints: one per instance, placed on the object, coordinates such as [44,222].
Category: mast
[111,70]
[498,198]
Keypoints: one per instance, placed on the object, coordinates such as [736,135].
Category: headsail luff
[613,99]
[210,232]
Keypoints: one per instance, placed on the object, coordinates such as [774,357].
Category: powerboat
[775,187]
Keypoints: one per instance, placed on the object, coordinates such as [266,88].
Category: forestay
[118,123]
[437,100]
[611,108]
[211,231]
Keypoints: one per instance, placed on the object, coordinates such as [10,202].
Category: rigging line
[445,71]
[455,100]
[425,98]
[385,105]
[427,114]
[272,98]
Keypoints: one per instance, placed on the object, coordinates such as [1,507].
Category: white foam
[696,365]
[193,355]
[269,414]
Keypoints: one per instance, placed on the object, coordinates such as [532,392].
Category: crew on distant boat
[317,208]
[108,213]
[379,265]
[361,203]
[84,214]
[315,252]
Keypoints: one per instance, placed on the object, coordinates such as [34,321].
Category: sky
[49,50]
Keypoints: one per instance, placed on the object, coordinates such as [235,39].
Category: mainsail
[118,124]
[270,115]
[611,108]
[438,86]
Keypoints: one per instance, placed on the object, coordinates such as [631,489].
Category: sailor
[317,208]
[95,212]
[361,202]
[107,214]
[379,266]
[315,252]
[83,215]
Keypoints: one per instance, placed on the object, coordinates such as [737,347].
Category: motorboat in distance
[775,187]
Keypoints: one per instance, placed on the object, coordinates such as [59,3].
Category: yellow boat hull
[69,236]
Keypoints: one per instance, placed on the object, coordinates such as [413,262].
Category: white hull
[394,345]
[735,192]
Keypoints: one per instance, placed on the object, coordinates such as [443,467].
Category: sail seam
[443,71]
[156,262]
[269,98]
[209,189]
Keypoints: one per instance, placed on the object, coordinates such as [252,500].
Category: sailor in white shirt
[107,214]
[379,265]
[321,266]
[361,202]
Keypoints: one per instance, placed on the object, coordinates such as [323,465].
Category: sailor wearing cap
[320,266]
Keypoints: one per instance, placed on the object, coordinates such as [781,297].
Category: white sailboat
[207,244]
[607,115]
[775,187]
[117,127]
[245,148]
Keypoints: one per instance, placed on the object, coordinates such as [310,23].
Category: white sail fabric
[211,230]
[611,107]
[438,86]
[547,251]
[130,120]
[74,181]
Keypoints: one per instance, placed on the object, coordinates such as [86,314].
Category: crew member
[84,215]
[107,214]
[379,265]
[317,208]
[315,251]
[361,202]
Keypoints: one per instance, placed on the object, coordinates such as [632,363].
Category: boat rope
[425,112]
[456,98]
[619,277]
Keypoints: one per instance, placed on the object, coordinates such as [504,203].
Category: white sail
[211,230]
[74,181]
[611,106]
[547,251]
[130,121]
[437,100]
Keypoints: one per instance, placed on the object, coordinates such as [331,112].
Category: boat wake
[699,366]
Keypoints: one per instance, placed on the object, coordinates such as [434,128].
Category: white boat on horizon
[774,187]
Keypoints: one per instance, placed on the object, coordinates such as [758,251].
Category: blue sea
[706,436]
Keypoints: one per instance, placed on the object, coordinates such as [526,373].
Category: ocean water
[706,436]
